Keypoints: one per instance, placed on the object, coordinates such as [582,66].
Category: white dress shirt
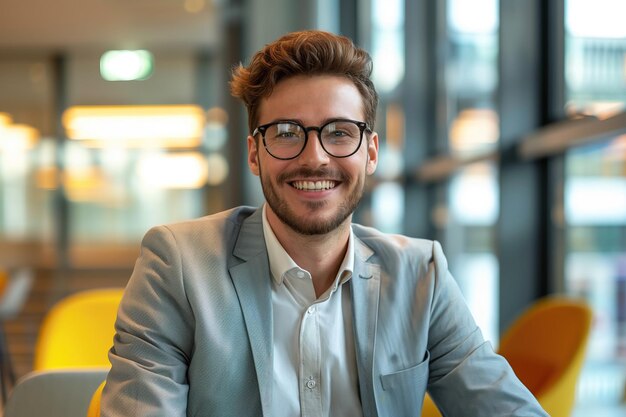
[314,357]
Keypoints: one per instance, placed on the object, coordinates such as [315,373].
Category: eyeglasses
[287,139]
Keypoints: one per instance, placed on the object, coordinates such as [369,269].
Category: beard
[307,224]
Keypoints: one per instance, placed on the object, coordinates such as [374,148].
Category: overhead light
[474,130]
[17,137]
[173,170]
[177,126]
[126,65]
[5,119]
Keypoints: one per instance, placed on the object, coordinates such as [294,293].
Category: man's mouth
[313,185]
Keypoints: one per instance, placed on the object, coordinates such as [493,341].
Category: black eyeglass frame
[363,127]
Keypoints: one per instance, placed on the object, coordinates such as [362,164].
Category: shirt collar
[281,262]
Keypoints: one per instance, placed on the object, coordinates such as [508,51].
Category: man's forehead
[326,96]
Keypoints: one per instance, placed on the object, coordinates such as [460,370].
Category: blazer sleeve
[467,378]
[154,336]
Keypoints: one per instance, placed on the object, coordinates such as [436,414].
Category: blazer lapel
[365,296]
[252,284]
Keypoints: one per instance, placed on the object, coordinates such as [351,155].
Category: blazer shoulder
[398,247]
[378,240]
[229,219]
[235,216]
[213,230]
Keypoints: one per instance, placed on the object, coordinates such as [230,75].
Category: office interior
[502,126]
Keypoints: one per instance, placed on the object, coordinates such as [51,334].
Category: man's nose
[313,153]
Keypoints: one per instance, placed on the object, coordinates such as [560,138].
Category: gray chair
[54,393]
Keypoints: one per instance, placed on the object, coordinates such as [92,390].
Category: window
[470,202]
[387,196]
[595,192]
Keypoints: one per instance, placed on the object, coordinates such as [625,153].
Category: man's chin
[315,225]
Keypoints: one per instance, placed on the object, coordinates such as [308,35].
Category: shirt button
[300,274]
[311,310]
[310,384]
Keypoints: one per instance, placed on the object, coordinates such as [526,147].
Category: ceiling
[66,25]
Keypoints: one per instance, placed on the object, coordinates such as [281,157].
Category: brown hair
[304,53]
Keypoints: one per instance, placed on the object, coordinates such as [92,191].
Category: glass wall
[388,54]
[595,261]
[471,195]
[594,57]
[595,192]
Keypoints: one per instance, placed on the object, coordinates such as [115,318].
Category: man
[291,309]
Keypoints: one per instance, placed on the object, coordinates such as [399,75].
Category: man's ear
[253,156]
[372,154]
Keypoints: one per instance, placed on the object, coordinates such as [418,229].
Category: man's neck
[321,255]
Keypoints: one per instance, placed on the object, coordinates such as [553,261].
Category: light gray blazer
[194,329]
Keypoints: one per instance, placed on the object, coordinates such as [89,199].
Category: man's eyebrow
[286,119]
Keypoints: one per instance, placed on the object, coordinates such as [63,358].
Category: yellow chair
[94,405]
[546,348]
[429,409]
[78,331]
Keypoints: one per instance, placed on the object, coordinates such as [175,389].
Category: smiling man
[291,309]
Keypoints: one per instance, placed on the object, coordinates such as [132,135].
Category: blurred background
[503,132]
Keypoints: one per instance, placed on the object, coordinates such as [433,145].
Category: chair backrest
[546,348]
[78,331]
[54,393]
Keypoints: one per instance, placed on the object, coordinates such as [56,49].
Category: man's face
[312,101]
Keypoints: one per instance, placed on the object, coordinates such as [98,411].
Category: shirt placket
[310,364]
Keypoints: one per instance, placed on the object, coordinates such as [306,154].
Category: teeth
[314,185]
